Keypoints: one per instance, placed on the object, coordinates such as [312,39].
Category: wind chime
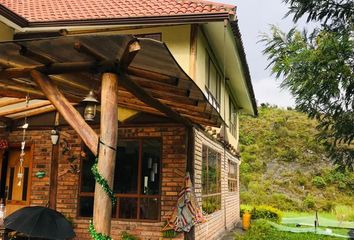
[23,145]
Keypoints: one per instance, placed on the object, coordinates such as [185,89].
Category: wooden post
[107,156]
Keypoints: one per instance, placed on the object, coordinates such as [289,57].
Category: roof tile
[62,10]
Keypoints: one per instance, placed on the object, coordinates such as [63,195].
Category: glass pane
[213,172]
[87,179]
[151,164]
[212,76]
[204,170]
[149,208]
[126,170]
[86,206]
[211,204]
[128,208]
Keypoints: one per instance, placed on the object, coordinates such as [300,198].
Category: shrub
[266,212]
[262,212]
[319,182]
[127,236]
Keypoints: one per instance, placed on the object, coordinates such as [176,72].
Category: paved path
[231,234]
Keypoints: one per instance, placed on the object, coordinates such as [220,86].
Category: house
[178,104]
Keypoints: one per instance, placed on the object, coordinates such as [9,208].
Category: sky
[255,17]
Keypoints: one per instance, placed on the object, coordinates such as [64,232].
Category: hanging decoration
[95,235]
[103,182]
[23,145]
[3,144]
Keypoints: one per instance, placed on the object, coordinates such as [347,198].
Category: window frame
[231,178]
[139,196]
[219,161]
[232,124]
[214,100]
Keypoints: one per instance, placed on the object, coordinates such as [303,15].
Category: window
[232,117]
[213,83]
[211,180]
[136,180]
[232,176]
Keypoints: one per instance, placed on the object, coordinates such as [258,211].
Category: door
[17,188]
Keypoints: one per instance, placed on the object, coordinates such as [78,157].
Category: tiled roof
[73,10]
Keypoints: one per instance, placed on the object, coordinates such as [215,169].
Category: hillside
[283,165]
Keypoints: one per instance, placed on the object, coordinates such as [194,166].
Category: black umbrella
[40,222]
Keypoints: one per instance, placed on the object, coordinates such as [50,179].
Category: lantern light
[91,105]
[54,136]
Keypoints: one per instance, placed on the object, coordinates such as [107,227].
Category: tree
[318,69]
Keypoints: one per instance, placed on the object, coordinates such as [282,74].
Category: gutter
[246,72]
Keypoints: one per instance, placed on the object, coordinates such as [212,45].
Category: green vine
[104,184]
[95,235]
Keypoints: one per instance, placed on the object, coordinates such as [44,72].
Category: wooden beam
[83,48]
[32,112]
[55,68]
[36,56]
[145,97]
[129,53]
[107,156]
[152,75]
[19,92]
[11,101]
[24,108]
[68,112]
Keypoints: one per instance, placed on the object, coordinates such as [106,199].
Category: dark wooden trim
[193,51]
[54,176]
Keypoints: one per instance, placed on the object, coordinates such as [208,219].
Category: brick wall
[173,171]
[41,144]
[225,218]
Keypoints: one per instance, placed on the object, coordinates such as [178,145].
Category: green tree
[318,69]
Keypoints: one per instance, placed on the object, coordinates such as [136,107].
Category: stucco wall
[6,33]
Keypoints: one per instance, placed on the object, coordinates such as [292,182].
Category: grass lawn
[307,219]
[262,230]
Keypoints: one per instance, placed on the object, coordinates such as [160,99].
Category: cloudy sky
[255,17]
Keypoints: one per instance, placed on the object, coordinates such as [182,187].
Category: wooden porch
[125,72]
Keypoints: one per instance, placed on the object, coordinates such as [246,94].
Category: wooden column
[107,157]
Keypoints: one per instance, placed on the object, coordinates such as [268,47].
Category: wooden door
[18,192]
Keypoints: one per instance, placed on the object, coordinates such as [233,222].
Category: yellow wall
[202,51]
[177,39]
[6,33]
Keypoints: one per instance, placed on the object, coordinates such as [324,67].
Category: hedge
[262,212]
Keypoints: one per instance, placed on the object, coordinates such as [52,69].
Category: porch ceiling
[74,63]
